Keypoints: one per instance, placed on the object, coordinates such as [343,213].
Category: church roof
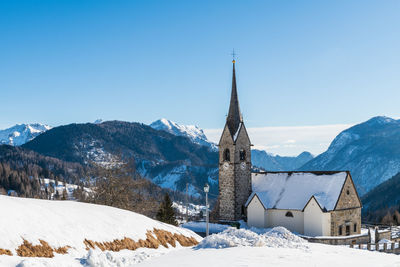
[234,116]
[293,190]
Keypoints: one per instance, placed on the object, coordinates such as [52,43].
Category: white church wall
[316,222]
[279,218]
[256,214]
[326,224]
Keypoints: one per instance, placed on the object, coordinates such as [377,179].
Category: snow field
[318,255]
[69,223]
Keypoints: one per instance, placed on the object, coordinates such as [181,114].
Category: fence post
[351,246]
[385,246]
[369,246]
[377,247]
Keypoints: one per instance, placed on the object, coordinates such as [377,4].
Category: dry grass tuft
[42,250]
[165,237]
[62,250]
[186,241]
[89,244]
[29,250]
[153,240]
[5,252]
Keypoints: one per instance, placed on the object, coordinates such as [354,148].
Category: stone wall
[383,234]
[347,212]
[226,178]
[226,192]
[348,197]
[346,217]
[345,240]
[234,175]
[242,173]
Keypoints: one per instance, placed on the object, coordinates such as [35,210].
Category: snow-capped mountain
[22,133]
[370,150]
[193,132]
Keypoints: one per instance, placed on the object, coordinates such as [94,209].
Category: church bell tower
[234,162]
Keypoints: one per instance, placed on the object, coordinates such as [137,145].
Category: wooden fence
[391,247]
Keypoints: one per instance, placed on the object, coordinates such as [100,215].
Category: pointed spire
[234,116]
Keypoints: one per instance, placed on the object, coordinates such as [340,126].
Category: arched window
[242,154]
[289,214]
[227,155]
[340,230]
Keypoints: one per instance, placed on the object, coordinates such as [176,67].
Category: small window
[289,214]
[242,154]
[348,192]
[355,227]
[347,229]
[227,155]
[340,230]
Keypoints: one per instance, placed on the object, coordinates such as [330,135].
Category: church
[311,203]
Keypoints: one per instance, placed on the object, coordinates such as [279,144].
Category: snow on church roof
[292,190]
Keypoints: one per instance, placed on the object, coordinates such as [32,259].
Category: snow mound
[69,223]
[232,237]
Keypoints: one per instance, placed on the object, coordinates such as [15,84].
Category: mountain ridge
[166,159]
[366,150]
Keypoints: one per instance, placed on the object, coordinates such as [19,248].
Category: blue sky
[300,63]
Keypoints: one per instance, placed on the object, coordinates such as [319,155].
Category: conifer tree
[166,212]
[57,195]
[64,195]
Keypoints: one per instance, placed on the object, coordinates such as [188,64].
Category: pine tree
[64,195]
[166,212]
[57,195]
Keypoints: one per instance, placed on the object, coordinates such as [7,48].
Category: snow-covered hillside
[76,227]
[55,188]
[22,133]
[193,209]
[193,132]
